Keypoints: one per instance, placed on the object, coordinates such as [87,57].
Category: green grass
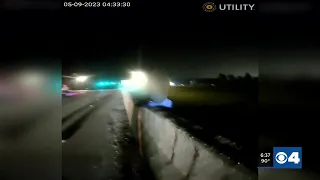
[204,96]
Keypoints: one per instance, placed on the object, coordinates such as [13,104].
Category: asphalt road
[97,143]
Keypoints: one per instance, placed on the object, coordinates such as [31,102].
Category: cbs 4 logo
[282,158]
[287,157]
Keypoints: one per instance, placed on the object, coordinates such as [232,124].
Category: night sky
[179,38]
[181,55]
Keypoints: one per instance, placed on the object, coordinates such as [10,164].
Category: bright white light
[172,84]
[125,82]
[138,79]
[81,78]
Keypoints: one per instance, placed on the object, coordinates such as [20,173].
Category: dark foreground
[238,131]
[228,128]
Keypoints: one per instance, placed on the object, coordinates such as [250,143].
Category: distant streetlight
[81,78]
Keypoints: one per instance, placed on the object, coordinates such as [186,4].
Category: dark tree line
[230,82]
[231,77]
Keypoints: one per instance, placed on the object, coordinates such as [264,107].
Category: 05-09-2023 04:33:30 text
[104,4]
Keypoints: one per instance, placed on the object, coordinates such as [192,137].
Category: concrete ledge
[184,153]
[173,154]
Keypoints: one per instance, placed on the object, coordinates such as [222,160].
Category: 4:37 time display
[265,155]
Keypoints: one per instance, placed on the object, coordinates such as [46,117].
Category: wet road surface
[97,143]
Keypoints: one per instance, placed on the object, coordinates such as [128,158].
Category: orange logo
[209,7]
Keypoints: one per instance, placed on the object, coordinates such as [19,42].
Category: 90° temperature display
[265,159]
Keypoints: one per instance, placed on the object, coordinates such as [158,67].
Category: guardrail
[173,154]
